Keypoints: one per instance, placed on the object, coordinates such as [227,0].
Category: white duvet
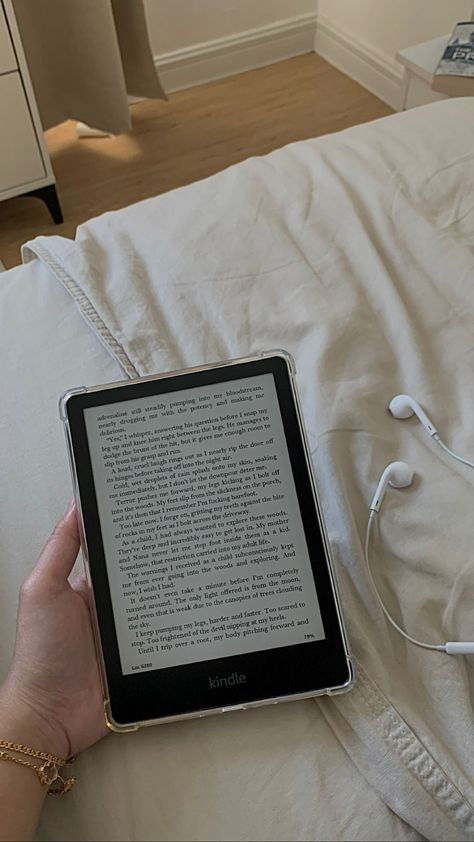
[355,253]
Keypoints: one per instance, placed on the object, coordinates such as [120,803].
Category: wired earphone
[400,475]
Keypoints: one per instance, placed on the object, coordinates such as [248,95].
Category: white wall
[175,24]
[362,37]
[390,25]
[198,40]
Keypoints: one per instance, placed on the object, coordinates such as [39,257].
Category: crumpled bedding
[276,773]
[355,253]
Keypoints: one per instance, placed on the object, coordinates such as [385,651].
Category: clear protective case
[328,691]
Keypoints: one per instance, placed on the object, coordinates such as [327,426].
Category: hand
[53,685]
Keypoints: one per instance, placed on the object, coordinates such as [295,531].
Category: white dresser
[25,167]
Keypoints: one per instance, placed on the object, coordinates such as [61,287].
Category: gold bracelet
[47,772]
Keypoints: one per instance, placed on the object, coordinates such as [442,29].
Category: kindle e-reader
[210,577]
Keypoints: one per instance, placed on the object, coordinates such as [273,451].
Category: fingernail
[70,507]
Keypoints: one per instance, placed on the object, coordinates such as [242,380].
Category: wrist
[22,722]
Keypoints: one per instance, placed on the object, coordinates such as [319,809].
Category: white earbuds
[398,475]
[404,406]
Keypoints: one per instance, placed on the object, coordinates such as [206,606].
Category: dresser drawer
[20,157]
[7,54]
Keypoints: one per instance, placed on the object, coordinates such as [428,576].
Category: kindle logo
[227,681]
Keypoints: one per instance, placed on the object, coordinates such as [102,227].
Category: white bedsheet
[354,252]
[275,773]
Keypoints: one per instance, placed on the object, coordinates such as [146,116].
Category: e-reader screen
[203,539]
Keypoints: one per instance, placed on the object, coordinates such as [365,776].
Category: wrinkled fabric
[274,773]
[84,57]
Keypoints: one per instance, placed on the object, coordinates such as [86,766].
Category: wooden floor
[198,132]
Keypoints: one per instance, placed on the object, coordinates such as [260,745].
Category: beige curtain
[84,57]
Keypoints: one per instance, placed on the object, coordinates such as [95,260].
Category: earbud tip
[401,475]
[400,406]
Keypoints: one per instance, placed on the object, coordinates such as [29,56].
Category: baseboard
[222,57]
[372,68]
[237,53]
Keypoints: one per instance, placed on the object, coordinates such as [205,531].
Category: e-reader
[210,575]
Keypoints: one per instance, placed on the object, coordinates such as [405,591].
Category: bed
[355,252]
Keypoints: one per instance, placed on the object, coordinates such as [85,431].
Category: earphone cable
[451,452]
[441,647]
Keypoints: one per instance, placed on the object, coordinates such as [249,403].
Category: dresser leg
[50,197]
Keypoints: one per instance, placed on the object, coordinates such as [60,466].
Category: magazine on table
[454,74]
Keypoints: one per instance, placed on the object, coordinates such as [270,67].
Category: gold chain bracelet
[47,772]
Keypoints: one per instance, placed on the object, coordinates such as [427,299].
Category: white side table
[420,63]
